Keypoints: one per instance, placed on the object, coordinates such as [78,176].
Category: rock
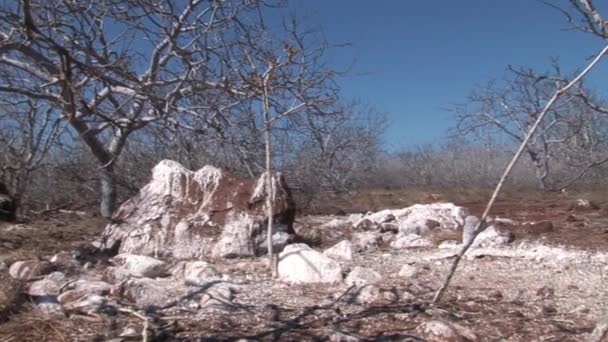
[342,337]
[209,212]
[85,295]
[419,226]
[29,269]
[49,286]
[438,331]
[49,305]
[366,224]
[389,227]
[148,293]
[367,241]
[199,272]
[299,263]
[492,236]
[10,295]
[140,265]
[470,225]
[66,262]
[115,275]
[343,250]
[446,215]
[218,297]
[540,227]
[412,241]
[408,271]
[82,301]
[8,206]
[360,276]
[369,294]
[582,204]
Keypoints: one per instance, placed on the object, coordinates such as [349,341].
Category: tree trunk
[108,191]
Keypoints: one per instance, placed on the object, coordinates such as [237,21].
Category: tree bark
[108,191]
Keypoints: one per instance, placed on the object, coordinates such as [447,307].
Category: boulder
[493,237]
[8,205]
[210,212]
[140,265]
[361,276]
[343,250]
[368,294]
[298,263]
[420,226]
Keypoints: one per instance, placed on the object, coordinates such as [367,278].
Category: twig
[144,331]
[481,226]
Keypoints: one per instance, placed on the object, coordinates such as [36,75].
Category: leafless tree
[109,68]
[28,132]
[570,137]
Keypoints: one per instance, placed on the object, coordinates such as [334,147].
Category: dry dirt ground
[549,285]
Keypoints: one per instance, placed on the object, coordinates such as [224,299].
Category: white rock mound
[207,213]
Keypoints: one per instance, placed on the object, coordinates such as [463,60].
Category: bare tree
[109,68]
[571,136]
[28,132]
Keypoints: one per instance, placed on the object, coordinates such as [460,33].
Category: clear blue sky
[414,58]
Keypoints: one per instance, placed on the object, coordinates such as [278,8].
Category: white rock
[199,272]
[49,286]
[28,269]
[411,241]
[140,265]
[298,263]
[415,225]
[439,331]
[360,276]
[408,271]
[367,241]
[343,250]
[492,237]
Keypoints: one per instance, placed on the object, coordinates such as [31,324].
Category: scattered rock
[343,250]
[367,241]
[365,224]
[206,213]
[140,265]
[218,297]
[298,263]
[49,305]
[419,226]
[412,240]
[493,236]
[408,271]
[29,269]
[65,262]
[342,337]
[541,227]
[49,286]
[361,276]
[582,204]
[147,292]
[469,228]
[369,294]
[199,272]
[439,331]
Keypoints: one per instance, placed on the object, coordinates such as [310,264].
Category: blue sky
[415,58]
